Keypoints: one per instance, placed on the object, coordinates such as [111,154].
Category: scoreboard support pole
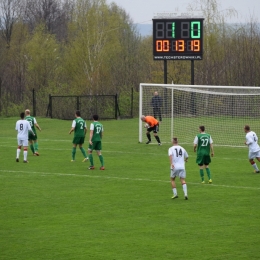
[192,72]
[165,71]
[192,83]
[193,106]
[165,89]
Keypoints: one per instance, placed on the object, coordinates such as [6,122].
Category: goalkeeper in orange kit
[153,125]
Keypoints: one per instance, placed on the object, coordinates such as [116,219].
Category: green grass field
[54,209]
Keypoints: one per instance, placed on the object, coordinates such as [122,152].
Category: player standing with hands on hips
[178,156]
[203,144]
[254,149]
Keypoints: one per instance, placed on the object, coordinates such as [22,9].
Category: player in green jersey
[80,129]
[95,142]
[203,144]
[32,138]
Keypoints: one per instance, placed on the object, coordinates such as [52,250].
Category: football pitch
[52,208]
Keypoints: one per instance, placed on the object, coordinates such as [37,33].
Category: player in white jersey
[23,127]
[254,149]
[178,156]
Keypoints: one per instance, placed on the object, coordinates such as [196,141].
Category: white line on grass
[135,152]
[103,151]
[123,152]
[165,143]
[55,140]
[124,178]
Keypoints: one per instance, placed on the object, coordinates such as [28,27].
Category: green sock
[91,159]
[101,159]
[208,173]
[83,151]
[32,148]
[202,174]
[36,147]
[73,153]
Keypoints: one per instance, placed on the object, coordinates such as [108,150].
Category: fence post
[50,105]
[116,106]
[132,101]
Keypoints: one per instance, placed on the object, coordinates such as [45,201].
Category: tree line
[90,47]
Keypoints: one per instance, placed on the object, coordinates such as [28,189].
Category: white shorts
[253,155]
[181,173]
[22,142]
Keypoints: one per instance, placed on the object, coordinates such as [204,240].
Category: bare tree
[54,14]
[9,13]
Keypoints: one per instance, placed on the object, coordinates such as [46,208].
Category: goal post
[223,110]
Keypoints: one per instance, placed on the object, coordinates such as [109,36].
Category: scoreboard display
[178,39]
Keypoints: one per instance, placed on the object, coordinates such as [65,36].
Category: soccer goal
[223,110]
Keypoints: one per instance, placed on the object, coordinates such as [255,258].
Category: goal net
[223,110]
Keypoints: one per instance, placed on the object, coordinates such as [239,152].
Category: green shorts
[32,137]
[96,145]
[203,160]
[78,140]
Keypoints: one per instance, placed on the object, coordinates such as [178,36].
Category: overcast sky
[143,11]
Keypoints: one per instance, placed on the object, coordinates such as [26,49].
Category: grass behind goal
[54,209]
[224,110]
[225,130]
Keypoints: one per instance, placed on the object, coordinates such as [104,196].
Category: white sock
[184,187]
[174,190]
[255,167]
[18,153]
[25,155]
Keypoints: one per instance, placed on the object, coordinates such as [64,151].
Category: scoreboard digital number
[178,39]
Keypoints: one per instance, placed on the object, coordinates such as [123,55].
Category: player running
[254,149]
